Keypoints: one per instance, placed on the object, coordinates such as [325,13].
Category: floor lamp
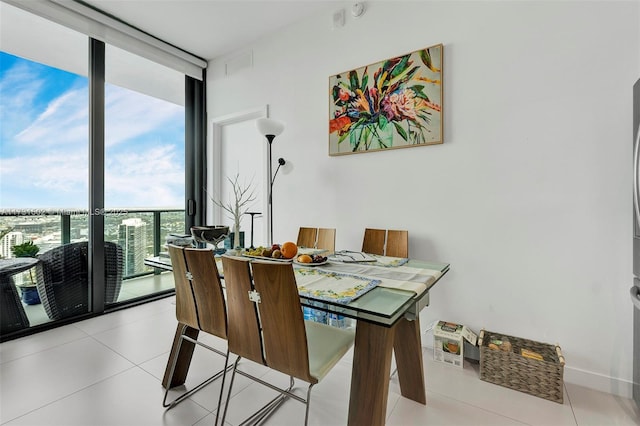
[270,129]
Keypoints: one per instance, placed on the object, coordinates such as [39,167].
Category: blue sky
[44,148]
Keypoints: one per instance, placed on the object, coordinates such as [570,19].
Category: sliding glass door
[144,165]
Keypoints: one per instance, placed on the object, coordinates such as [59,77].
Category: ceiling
[212,28]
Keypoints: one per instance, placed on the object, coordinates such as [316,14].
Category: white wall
[529,198]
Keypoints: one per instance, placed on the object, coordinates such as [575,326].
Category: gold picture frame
[394,103]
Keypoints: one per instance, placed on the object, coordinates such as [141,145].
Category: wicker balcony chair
[12,315]
[63,282]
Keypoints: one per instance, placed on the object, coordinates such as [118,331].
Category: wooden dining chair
[397,243]
[326,239]
[200,304]
[373,241]
[244,332]
[307,237]
[301,349]
[244,326]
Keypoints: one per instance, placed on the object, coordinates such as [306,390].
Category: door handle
[635,296]
[636,176]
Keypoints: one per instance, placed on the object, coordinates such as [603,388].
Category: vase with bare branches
[237,205]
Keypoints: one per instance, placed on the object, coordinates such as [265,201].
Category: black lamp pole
[272,178]
[270,129]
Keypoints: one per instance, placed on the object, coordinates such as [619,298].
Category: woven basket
[510,369]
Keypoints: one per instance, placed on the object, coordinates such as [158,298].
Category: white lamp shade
[267,126]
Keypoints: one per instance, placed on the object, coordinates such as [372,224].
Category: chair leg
[173,369]
[233,376]
[266,410]
[226,367]
[270,407]
[306,414]
[187,394]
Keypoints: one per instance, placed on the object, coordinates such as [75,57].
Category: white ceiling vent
[237,62]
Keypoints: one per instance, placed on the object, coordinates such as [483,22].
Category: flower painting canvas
[396,103]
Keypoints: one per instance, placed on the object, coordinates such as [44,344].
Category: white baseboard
[599,382]
[576,376]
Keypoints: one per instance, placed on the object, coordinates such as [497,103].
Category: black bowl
[210,234]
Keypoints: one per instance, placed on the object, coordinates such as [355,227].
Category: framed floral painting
[396,103]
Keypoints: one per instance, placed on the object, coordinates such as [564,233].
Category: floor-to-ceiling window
[144,163]
[64,151]
[44,145]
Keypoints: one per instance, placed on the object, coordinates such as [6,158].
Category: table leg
[408,351]
[183,357]
[370,375]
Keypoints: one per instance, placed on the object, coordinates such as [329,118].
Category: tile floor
[107,371]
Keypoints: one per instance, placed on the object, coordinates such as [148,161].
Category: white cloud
[19,87]
[57,172]
[153,178]
[130,114]
[64,122]
[127,115]
[56,142]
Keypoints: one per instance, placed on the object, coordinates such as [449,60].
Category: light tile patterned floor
[107,371]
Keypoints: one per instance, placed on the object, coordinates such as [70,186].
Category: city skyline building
[132,237]
[10,240]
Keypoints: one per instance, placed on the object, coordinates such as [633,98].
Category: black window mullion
[96,176]
[195,152]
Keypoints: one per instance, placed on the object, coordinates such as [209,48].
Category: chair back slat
[283,332]
[243,333]
[207,291]
[186,311]
[307,237]
[373,241]
[326,239]
[397,243]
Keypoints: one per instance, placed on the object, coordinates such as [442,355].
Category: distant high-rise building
[8,241]
[132,237]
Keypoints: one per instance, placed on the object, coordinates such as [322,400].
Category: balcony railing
[140,232]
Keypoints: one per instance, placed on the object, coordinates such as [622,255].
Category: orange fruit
[305,258]
[289,250]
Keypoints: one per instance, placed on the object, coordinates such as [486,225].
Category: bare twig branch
[244,195]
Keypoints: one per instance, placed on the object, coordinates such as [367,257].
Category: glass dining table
[386,311]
